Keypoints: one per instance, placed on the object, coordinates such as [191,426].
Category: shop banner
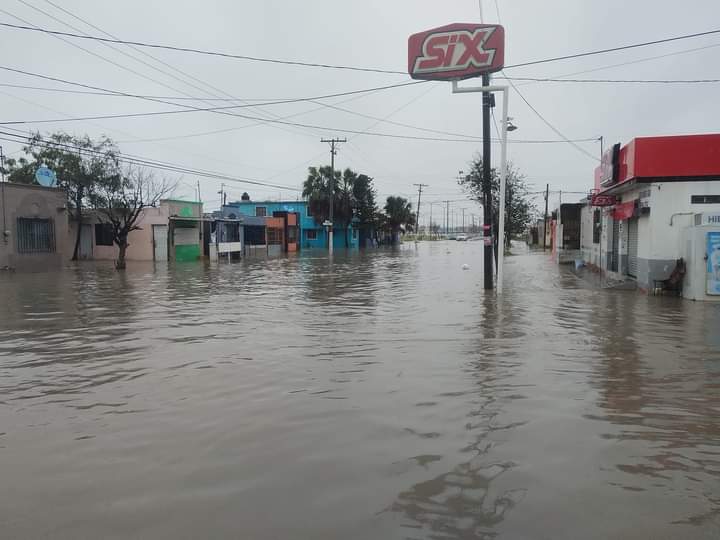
[713,263]
[624,211]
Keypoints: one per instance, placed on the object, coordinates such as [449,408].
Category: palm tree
[399,214]
[317,191]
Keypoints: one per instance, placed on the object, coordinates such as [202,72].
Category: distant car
[462,238]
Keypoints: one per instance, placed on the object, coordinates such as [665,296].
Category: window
[261,211]
[597,226]
[311,234]
[292,234]
[103,234]
[705,199]
[308,213]
[274,236]
[35,235]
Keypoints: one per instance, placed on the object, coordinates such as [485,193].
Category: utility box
[702,256]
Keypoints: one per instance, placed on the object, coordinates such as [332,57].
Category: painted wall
[32,201]
[307,222]
[140,246]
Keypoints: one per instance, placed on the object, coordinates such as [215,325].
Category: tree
[317,190]
[399,215]
[365,206]
[519,209]
[81,164]
[120,205]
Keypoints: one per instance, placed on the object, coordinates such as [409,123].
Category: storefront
[646,193]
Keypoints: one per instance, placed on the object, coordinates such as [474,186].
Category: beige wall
[140,242]
[32,201]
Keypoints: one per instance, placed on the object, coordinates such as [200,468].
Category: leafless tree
[121,204]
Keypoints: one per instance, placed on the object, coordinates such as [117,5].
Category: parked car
[461,238]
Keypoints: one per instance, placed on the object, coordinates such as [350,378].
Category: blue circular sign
[45,176]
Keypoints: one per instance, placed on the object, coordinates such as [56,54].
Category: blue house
[311,234]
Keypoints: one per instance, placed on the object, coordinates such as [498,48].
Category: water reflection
[371,395]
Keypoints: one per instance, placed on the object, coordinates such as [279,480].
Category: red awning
[624,211]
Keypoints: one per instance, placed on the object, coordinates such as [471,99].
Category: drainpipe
[680,214]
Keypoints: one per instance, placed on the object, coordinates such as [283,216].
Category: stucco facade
[35,224]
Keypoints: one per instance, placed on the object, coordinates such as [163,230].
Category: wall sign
[456,51]
[713,263]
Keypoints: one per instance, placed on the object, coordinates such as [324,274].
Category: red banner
[624,211]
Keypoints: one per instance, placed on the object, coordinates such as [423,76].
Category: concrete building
[299,223]
[171,231]
[646,194]
[34,227]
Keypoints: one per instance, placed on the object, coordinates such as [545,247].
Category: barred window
[35,235]
[311,234]
[261,211]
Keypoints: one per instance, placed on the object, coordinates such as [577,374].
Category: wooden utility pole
[547,196]
[332,142]
[417,214]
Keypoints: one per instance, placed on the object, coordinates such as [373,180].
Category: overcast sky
[367,33]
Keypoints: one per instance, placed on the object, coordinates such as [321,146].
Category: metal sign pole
[503,168]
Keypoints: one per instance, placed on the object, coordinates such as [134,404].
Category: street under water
[380,395]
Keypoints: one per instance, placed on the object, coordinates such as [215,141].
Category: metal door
[160,242]
[86,242]
[615,250]
[632,247]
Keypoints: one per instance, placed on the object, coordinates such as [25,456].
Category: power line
[345,67]
[613,49]
[160,99]
[118,50]
[205,52]
[613,81]
[552,127]
[150,163]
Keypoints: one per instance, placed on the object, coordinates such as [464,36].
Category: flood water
[379,395]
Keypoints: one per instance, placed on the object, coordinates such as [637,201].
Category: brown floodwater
[378,395]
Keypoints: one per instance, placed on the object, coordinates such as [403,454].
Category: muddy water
[380,395]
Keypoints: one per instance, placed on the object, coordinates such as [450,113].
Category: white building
[648,193]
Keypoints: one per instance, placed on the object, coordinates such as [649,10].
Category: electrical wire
[345,67]
[107,59]
[613,81]
[150,163]
[260,103]
[205,52]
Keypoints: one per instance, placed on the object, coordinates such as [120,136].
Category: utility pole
[417,214]
[547,196]
[488,102]
[332,142]
[447,217]
[463,214]
[222,196]
[198,192]
[431,223]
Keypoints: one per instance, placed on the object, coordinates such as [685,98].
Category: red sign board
[602,200]
[456,51]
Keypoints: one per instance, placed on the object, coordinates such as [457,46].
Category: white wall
[666,199]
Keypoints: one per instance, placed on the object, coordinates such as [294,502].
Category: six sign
[456,51]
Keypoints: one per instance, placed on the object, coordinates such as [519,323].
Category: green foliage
[398,214]
[82,167]
[354,197]
[519,209]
